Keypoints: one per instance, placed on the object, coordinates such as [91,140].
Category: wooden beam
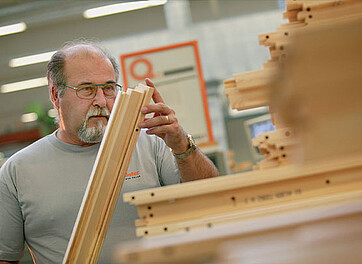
[332,13]
[208,222]
[240,180]
[107,176]
[202,245]
[161,206]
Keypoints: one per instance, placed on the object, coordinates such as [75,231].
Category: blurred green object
[46,123]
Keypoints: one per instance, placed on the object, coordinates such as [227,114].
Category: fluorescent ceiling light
[29,117]
[32,59]
[17,86]
[12,29]
[121,7]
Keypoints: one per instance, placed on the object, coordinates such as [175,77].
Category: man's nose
[100,99]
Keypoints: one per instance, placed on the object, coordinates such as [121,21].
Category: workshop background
[226,32]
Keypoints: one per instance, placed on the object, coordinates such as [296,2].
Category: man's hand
[164,123]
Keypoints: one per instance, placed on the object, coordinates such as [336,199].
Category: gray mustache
[97,111]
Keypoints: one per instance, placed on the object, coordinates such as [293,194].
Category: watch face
[191,140]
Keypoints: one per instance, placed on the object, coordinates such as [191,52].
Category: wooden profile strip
[147,91]
[212,185]
[245,99]
[314,4]
[200,244]
[331,13]
[250,89]
[210,222]
[291,15]
[107,176]
[254,196]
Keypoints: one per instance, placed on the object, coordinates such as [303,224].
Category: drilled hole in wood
[281,47]
[152,194]
[310,16]
[187,229]
[233,198]
[267,36]
[287,133]
[209,225]
[327,181]
[151,215]
[146,232]
[149,207]
[308,9]
[132,197]
[281,148]
[286,33]
[284,155]
[266,137]
[165,229]
[136,129]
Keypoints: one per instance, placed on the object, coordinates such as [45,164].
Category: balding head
[56,65]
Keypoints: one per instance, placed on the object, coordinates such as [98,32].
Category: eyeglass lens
[89,91]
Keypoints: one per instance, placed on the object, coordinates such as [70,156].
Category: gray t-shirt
[42,187]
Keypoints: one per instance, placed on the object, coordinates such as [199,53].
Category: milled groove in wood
[245,179]
[253,197]
[197,243]
[123,170]
[107,177]
[221,219]
[103,225]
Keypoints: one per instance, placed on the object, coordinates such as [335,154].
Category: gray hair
[55,72]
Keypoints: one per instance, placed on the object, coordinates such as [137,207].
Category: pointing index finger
[157,98]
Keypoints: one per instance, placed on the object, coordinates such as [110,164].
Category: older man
[42,186]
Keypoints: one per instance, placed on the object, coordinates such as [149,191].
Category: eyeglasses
[89,91]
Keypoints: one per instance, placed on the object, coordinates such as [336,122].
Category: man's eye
[87,88]
[108,87]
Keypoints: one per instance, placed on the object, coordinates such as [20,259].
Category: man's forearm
[196,166]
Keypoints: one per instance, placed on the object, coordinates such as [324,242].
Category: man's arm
[11,221]
[6,262]
[165,125]
[196,166]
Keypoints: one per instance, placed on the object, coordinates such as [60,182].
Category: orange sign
[176,72]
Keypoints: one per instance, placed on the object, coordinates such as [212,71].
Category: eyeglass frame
[119,87]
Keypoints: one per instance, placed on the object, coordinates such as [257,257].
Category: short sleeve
[11,220]
[167,165]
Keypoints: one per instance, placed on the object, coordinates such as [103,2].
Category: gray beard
[93,134]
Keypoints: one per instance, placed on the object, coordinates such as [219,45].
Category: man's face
[83,118]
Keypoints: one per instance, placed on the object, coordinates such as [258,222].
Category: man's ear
[54,96]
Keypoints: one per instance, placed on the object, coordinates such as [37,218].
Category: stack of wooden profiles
[302,16]
[306,14]
[248,90]
[327,224]
[107,176]
[210,202]
[278,147]
[311,210]
[318,90]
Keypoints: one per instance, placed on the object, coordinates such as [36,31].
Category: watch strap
[192,148]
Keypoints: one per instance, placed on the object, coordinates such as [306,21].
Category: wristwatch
[192,148]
